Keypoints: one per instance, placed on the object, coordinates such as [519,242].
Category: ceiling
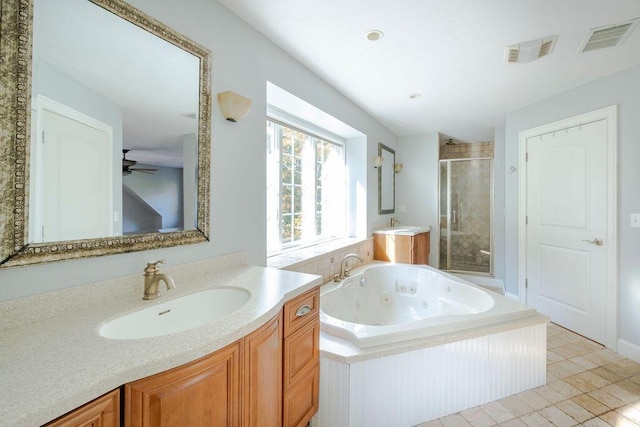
[452,52]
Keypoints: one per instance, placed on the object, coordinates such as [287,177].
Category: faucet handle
[347,268]
[152,267]
[155,263]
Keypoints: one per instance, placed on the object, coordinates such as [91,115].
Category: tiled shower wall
[466,151]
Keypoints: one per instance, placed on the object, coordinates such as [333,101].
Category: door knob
[596,241]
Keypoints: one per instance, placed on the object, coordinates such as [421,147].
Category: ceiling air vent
[531,50]
[613,35]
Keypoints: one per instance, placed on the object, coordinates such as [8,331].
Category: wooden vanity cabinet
[402,248]
[103,411]
[301,359]
[203,393]
[261,396]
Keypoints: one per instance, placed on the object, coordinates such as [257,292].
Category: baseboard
[512,296]
[628,349]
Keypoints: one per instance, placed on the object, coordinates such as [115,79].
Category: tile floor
[586,385]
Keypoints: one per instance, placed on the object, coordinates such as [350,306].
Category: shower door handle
[596,241]
[454,220]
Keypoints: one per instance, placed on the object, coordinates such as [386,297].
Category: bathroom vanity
[256,366]
[263,379]
[406,244]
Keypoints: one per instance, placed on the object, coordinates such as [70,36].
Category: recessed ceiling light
[415,95]
[375,35]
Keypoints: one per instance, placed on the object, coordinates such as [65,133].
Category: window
[305,187]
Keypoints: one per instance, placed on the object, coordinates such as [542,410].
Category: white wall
[357,192]
[417,185]
[243,61]
[162,190]
[499,168]
[622,89]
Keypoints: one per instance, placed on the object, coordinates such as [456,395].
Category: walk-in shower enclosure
[466,200]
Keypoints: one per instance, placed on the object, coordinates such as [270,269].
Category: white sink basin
[177,315]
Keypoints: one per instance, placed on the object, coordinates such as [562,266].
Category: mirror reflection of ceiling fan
[128,165]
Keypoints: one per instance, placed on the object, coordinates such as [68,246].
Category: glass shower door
[466,193]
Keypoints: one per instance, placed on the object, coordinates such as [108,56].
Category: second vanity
[406,244]
[264,355]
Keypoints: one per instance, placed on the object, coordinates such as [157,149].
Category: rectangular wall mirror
[109,142]
[386,180]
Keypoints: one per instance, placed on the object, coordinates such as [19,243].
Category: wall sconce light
[233,107]
[397,167]
[377,161]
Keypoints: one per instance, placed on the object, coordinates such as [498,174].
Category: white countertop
[55,365]
[403,230]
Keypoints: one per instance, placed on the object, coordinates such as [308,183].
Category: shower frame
[449,216]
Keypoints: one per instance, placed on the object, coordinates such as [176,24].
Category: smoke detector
[609,36]
[530,50]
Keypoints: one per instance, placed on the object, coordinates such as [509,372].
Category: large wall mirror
[106,128]
[386,180]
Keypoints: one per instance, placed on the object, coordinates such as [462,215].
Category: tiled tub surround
[54,360]
[324,259]
[449,370]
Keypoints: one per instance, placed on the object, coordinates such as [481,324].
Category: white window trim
[287,119]
[284,118]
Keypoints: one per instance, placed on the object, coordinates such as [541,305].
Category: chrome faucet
[393,222]
[153,277]
[344,267]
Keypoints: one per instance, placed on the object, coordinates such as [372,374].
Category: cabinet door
[393,248]
[301,353]
[101,412]
[421,248]
[402,248]
[203,393]
[381,250]
[302,401]
[262,395]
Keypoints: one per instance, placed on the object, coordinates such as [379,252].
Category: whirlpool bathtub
[383,304]
[403,344]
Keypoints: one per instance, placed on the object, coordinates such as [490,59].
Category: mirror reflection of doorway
[466,215]
[71,175]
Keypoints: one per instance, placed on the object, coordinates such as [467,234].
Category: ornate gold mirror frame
[16,29]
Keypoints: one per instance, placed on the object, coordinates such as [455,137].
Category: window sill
[289,260]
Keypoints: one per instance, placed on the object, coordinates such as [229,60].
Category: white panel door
[567,227]
[77,188]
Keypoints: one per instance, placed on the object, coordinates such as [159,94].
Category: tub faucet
[393,222]
[153,277]
[344,267]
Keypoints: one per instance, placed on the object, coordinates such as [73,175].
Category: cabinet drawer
[301,353]
[302,401]
[301,310]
